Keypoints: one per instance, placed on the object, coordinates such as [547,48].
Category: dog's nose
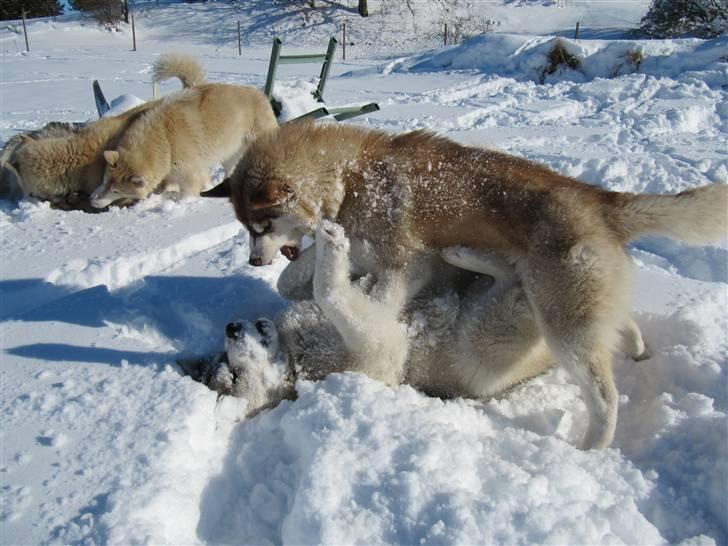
[257,262]
[233,329]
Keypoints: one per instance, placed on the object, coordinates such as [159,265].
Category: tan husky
[405,195]
[66,166]
[69,167]
[172,146]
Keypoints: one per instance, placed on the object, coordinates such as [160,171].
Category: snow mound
[355,462]
[526,57]
[123,103]
[296,99]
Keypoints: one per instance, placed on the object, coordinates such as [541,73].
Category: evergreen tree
[676,18]
[13,9]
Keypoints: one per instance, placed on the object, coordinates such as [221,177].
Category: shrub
[107,12]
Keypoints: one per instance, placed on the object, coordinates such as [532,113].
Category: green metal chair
[339,113]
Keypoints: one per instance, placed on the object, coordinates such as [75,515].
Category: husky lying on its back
[464,335]
[173,145]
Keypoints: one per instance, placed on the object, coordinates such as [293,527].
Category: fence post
[240,47]
[133,33]
[445,34]
[576,32]
[25,32]
[343,49]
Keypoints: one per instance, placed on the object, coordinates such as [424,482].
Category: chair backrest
[276,58]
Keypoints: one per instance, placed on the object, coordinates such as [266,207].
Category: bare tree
[363,8]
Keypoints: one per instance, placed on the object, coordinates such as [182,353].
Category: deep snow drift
[102,441]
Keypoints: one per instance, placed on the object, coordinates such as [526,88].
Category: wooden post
[133,33]
[576,32]
[240,46]
[25,31]
[343,41]
[445,33]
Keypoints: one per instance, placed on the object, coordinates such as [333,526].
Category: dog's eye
[261,229]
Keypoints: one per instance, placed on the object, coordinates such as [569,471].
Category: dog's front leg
[376,341]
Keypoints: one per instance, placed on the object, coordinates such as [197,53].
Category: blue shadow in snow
[61,352]
[188,310]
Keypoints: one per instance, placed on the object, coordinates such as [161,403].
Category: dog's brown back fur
[418,192]
[440,192]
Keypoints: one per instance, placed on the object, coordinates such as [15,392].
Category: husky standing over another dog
[416,193]
[173,145]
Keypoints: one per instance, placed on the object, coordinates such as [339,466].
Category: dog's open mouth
[290,252]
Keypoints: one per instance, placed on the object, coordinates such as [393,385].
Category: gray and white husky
[467,333]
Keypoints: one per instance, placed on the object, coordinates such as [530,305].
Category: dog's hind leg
[376,341]
[632,343]
[580,298]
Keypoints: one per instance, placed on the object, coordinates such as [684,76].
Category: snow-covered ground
[103,441]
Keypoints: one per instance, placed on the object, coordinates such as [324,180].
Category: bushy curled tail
[697,216]
[183,67]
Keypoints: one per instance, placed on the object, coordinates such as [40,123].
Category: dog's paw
[455,255]
[478,261]
[645,355]
[332,236]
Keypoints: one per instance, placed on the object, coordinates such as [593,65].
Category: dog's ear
[273,195]
[25,138]
[223,189]
[111,157]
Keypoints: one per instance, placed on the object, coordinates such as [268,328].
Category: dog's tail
[184,67]
[697,216]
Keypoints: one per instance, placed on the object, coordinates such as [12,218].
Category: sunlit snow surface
[102,441]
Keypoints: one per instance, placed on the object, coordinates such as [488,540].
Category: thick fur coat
[415,194]
[172,145]
[463,335]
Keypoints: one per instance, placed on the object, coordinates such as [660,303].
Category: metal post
[133,33]
[343,49]
[275,54]
[325,68]
[576,32]
[25,31]
[240,47]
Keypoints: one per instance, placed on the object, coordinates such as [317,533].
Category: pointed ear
[25,138]
[274,195]
[223,189]
[111,157]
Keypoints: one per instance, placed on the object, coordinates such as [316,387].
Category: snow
[102,441]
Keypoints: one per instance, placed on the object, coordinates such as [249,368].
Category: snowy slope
[102,441]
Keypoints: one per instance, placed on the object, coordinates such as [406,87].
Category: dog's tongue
[290,252]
